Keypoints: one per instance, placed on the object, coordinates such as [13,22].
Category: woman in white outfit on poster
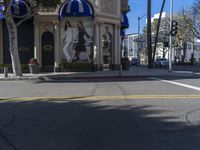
[68,38]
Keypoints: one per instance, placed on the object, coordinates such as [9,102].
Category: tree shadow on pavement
[53,124]
[94,79]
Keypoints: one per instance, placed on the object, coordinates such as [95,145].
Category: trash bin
[34,68]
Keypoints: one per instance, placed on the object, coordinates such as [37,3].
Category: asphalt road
[101,114]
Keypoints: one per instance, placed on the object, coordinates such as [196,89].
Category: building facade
[136,47]
[43,36]
[192,48]
[131,45]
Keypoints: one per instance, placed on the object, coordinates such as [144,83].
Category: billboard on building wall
[107,43]
[77,37]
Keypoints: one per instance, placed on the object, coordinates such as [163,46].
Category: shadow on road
[82,125]
[71,79]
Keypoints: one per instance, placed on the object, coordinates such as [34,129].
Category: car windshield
[161,59]
[135,59]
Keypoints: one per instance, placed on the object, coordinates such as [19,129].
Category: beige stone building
[42,36]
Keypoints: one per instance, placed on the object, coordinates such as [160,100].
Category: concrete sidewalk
[133,71]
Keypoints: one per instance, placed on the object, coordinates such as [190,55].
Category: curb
[76,77]
[18,79]
[103,75]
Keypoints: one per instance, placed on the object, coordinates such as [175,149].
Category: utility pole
[138,44]
[157,30]
[149,42]
[170,38]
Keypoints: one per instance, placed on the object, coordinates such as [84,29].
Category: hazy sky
[139,8]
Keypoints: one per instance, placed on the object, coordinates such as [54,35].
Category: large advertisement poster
[107,43]
[77,36]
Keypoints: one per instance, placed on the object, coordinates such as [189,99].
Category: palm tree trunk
[157,30]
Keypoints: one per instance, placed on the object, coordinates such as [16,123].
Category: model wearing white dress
[68,44]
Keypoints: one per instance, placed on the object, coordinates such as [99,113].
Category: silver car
[161,62]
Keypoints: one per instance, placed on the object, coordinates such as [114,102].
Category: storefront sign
[23,48]
[47,47]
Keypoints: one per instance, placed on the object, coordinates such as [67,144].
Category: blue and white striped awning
[76,8]
[1,16]
[19,8]
[124,21]
[2,8]
[122,32]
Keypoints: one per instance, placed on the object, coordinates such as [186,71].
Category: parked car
[135,61]
[161,62]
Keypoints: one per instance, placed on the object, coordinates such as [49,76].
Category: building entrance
[47,49]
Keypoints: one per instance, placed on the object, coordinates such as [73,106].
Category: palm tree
[157,30]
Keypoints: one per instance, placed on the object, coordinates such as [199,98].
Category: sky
[139,8]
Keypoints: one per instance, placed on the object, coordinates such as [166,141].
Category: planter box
[34,68]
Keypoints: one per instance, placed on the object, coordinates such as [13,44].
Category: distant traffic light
[174,28]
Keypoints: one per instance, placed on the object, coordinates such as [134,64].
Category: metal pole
[170,38]
[138,36]
[138,44]
[149,42]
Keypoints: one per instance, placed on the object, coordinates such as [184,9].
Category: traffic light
[166,44]
[174,28]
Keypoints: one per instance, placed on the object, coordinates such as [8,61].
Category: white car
[161,62]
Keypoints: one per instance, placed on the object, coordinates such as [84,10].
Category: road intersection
[108,113]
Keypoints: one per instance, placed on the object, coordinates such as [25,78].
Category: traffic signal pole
[149,42]
[170,38]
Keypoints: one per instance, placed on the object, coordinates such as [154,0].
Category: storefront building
[80,31]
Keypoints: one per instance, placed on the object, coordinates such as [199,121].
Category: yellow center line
[111,97]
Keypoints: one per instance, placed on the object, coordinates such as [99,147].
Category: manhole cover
[193,117]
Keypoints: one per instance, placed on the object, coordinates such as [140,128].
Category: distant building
[161,50]
[135,47]
[131,45]
[192,50]
[156,16]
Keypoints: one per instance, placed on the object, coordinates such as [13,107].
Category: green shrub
[24,67]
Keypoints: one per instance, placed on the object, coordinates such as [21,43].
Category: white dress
[68,44]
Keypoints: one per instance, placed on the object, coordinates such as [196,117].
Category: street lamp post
[170,38]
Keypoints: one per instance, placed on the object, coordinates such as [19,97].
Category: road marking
[189,72]
[179,84]
[95,98]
